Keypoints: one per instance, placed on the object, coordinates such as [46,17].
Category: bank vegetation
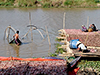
[50,3]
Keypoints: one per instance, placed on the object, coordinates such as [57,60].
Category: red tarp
[32,66]
[73,72]
[27,59]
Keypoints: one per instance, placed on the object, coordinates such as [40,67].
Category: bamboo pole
[87,28]
[31,34]
[29,17]
[86,39]
[48,40]
[11,58]
[26,34]
[8,34]
[87,21]
[31,26]
[5,33]
[13,29]
[64,21]
[40,33]
[48,36]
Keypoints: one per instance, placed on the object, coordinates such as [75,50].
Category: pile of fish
[87,38]
[33,67]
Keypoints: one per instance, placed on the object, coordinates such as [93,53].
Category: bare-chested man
[16,36]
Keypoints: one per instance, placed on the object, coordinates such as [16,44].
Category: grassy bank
[50,3]
[89,67]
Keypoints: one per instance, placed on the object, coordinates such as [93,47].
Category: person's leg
[80,50]
[16,42]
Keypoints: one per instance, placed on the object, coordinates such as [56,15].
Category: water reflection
[16,49]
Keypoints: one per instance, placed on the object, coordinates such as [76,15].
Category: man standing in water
[16,36]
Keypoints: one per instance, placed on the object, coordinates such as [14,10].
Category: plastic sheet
[29,59]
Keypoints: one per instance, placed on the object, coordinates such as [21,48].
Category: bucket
[73,43]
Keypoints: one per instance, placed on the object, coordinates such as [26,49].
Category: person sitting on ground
[81,47]
[93,27]
[84,29]
[16,36]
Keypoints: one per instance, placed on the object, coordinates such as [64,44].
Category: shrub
[68,2]
[8,4]
[2,3]
[12,1]
[53,55]
[46,5]
[97,1]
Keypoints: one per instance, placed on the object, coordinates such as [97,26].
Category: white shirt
[82,46]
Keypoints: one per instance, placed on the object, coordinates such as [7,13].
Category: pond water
[52,18]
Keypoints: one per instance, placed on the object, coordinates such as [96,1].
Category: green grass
[49,3]
[58,50]
[89,64]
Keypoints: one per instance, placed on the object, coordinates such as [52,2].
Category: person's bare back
[16,36]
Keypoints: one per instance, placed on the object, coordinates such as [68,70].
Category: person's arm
[14,35]
[78,48]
